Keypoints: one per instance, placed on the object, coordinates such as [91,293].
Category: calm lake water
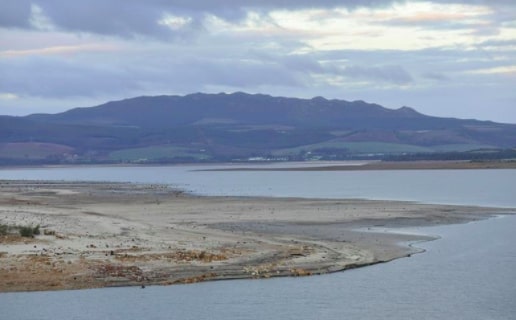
[472,187]
[470,273]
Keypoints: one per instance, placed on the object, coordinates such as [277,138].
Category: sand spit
[384,165]
[116,234]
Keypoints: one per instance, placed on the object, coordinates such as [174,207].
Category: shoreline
[387,165]
[338,165]
[99,234]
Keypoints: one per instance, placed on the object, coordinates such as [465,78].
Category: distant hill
[223,127]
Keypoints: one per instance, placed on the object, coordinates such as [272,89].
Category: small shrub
[29,231]
[3,229]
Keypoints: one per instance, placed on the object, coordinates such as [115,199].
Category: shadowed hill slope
[239,125]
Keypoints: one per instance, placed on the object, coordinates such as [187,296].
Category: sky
[443,58]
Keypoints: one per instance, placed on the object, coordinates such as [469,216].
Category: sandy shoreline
[344,165]
[384,165]
[118,234]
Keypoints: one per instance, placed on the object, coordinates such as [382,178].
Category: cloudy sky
[446,58]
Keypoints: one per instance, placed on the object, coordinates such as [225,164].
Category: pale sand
[109,234]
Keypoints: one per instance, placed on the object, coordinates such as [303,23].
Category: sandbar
[104,234]
[377,165]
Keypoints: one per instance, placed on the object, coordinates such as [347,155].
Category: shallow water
[470,187]
[468,274]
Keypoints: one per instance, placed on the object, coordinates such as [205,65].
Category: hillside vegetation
[239,126]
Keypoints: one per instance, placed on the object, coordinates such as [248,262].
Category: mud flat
[116,234]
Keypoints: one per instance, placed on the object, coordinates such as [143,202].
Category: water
[471,187]
[470,273]
[459,277]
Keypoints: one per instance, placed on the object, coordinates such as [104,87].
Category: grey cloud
[103,17]
[181,70]
[498,43]
[391,74]
[15,13]
[121,18]
[444,61]
[471,100]
[125,18]
[58,78]
[188,69]
[134,17]
[300,63]
[413,59]
[227,62]
[235,72]
[435,76]
[47,77]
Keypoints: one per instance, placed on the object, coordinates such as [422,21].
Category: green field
[461,147]
[355,148]
[32,150]
[156,153]
[370,147]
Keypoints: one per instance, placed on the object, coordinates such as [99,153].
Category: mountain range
[239,126]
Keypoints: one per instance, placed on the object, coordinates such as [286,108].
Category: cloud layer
[450,58]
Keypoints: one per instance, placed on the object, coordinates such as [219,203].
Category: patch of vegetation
[367,147]
[24,231]
[4,229]
[29,231]
[460,147]
[33,150]
[154,153]
[474,155]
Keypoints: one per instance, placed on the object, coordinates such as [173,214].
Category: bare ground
[110,234]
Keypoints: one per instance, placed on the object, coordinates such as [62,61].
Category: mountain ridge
[253,102]
[223,127]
